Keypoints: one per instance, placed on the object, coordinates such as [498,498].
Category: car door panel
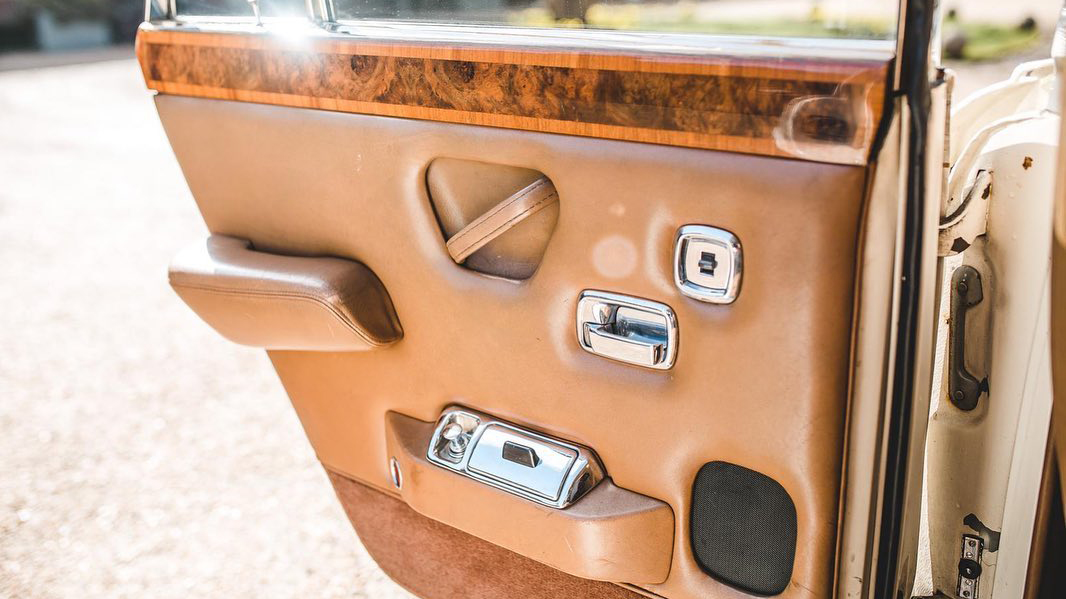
[377,143]
[747,387]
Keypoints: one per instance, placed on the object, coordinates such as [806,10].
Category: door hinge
[970,567]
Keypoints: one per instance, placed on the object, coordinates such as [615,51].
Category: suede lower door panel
[761,383]
[413,549]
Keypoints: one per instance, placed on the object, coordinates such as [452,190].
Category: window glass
[241,8]
[873,19]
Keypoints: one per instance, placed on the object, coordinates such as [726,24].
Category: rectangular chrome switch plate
[626,328]
[528,464]
[497,453]
[707,264]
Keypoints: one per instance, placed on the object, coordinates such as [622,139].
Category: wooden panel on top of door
[822,109]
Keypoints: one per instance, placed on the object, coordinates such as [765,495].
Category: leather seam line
[499,207]
[287,295]
[489,236]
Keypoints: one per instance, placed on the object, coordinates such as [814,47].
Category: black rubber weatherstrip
[914,87]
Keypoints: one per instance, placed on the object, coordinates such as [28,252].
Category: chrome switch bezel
[583,472]
[688,284]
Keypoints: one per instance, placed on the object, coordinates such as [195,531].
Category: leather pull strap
[524,203]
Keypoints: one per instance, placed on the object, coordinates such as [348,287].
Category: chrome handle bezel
[584,472]
[596,309]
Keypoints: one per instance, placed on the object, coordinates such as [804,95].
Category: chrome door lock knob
[457,439]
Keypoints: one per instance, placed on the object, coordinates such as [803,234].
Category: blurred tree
[16,17]
[73,10]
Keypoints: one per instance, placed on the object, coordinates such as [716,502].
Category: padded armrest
[284,302]
[610,534]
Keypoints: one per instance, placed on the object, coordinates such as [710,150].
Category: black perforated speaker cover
[743,528]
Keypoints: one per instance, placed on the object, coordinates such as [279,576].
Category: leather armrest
[284,302]
[610,534]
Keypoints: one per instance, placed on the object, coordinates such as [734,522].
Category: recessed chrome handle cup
[622,348]
[627,329]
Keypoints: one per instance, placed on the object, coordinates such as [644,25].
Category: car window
[773,18]
[241,8]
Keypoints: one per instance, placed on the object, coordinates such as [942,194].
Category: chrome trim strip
[635,43]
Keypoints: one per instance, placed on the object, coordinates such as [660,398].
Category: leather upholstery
[593,538]
[284,302]
[501,218]
[435,561]
[761,383]
[461,191]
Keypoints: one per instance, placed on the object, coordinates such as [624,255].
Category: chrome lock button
[707,264]
[457,439]
[452,437]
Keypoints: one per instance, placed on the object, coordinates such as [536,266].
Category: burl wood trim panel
[814,109]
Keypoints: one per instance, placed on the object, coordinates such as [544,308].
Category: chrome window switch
[707,264]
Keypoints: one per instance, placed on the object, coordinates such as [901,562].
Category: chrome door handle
[605,343]
[628,329]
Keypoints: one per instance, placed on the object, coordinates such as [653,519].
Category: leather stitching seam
[501,206]
[489,236]
[459,251]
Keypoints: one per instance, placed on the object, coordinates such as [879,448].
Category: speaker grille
[743,528]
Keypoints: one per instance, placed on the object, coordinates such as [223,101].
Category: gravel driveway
[140,454]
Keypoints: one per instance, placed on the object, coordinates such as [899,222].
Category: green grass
[773,28]
[984,41]
[990,42]
[679,19]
